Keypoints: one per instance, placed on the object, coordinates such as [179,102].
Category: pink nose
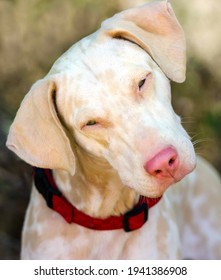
[164,164]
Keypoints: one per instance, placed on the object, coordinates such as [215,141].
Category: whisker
[187,121]
[192,134]
[199,151]
[187,117]
[200,154]
[201,140]
[196,135]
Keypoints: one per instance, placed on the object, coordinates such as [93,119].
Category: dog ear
[37,135]
[155,28]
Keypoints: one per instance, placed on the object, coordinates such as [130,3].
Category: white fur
[98,80]
[136,135]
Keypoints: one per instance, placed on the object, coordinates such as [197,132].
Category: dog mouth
[173,178]
[155,187]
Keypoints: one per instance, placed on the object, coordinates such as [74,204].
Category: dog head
[109,94]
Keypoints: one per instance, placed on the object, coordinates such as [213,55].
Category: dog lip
[181,173]
[179,177]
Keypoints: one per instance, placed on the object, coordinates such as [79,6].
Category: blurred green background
[34,33]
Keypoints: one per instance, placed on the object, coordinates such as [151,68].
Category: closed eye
[142,82]
[91,122]
[96,124]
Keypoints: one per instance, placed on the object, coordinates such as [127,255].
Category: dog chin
[156,188]
[159,188]
[153,189]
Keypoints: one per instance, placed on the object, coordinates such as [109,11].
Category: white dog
[101,130]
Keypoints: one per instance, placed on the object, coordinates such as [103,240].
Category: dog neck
[96,188]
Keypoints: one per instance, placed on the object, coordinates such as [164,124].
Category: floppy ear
[155,28]
[37,135]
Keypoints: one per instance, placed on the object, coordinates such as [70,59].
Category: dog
[115,173]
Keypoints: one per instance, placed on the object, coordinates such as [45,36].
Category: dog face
[121,111]
[110,95]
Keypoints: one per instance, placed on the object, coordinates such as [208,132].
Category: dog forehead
[100,73]
[114,53]
[91,58]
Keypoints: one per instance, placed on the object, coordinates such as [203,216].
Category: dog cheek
[90,145]
[123,160]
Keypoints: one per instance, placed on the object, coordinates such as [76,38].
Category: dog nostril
[164,164]
[171,161]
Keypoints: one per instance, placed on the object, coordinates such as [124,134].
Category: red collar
[132,220]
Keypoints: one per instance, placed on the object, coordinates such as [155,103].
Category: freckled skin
[92,122]
[98,187]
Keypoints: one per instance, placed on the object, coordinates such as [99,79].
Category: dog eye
[144,81]
[91,122]
[141,83]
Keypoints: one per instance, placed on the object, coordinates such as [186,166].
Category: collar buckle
[136,217]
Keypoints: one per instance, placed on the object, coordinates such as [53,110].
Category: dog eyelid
[143,81]
[96,123]
[91,122]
